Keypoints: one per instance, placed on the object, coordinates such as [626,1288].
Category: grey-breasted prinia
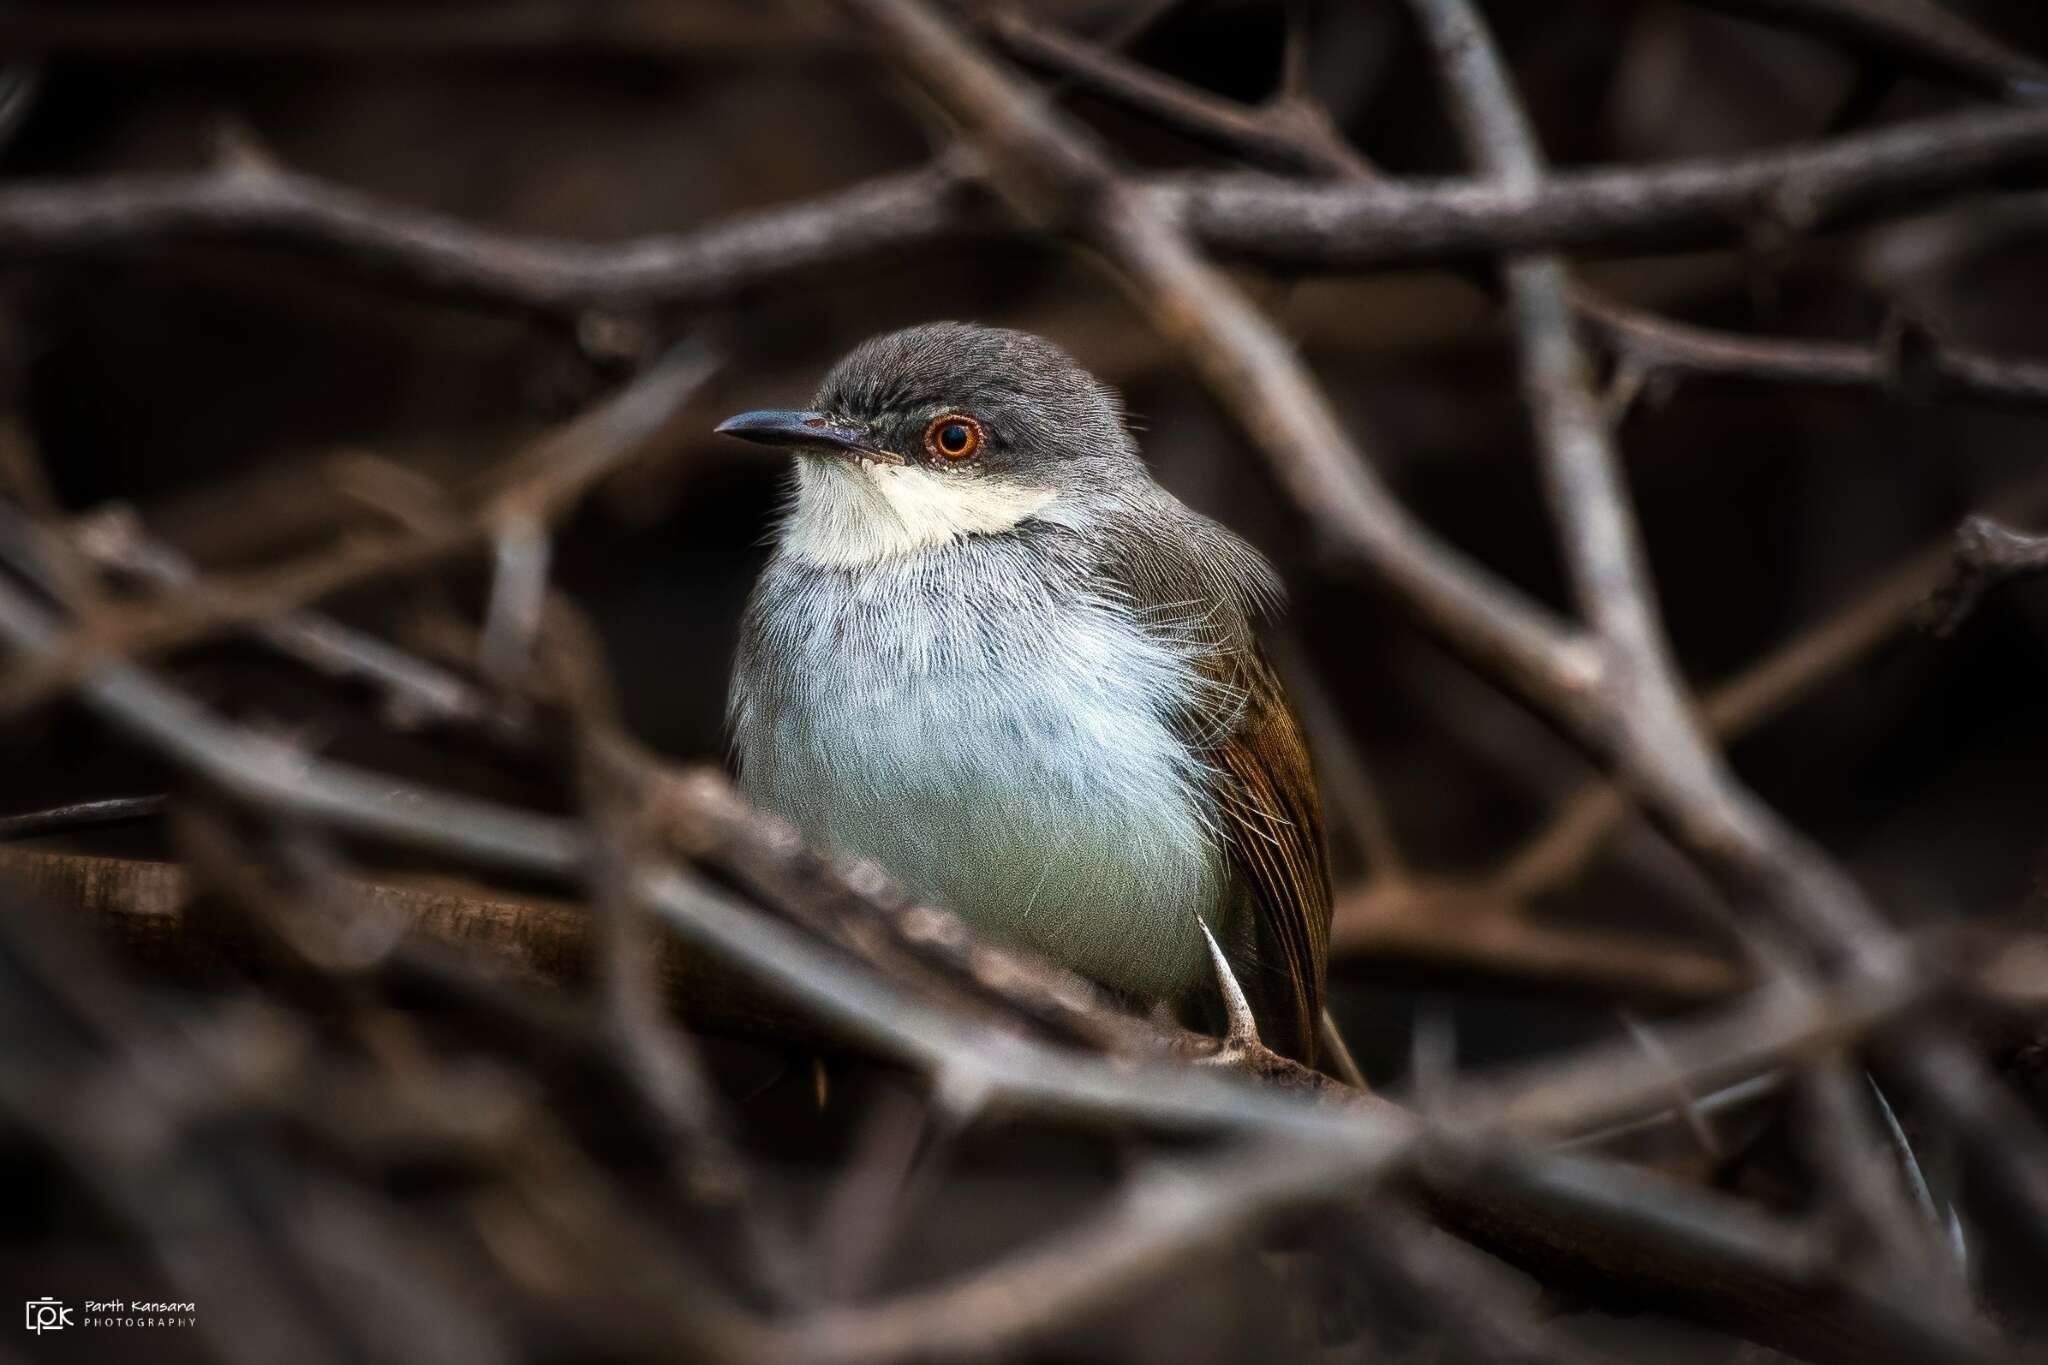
[992,654]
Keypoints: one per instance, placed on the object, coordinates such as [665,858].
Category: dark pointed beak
[807,433]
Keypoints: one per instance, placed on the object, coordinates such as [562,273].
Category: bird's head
[920,437]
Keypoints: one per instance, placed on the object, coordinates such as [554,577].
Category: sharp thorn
[1242,1029]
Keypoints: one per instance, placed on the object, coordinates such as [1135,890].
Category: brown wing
[1202,588]
[1268,799]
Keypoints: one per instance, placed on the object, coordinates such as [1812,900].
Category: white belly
[1004,768]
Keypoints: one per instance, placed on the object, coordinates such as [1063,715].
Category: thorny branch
[690,891]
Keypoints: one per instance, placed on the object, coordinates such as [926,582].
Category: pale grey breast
[1002,740]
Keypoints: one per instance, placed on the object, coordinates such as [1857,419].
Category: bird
[991,653]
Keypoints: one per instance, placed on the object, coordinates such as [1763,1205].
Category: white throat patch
[849,514]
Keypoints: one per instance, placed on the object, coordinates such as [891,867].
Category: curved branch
[441,254]
[1656,739]
[1338,227]
[1674,206]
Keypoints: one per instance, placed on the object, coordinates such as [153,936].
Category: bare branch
[1269,136]
[1987,556]
[1325,228]
[56,819]
[115,538]
[1664,750]
[1676,205]
[1657,743]
[1753,697]
[1441,928]
[1931,371]
[1019,1072]
[890,215]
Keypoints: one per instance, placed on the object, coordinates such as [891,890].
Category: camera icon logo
[47,1315]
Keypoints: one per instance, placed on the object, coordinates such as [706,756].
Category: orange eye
[953,436]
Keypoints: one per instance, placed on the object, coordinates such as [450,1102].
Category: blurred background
[226,391]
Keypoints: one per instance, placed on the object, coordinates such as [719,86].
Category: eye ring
[953,437]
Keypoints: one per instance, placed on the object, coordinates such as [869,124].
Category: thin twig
[540,482]
[1931,370]
[414,689]
[80,815]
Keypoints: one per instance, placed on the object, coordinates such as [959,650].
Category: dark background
[213,388]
